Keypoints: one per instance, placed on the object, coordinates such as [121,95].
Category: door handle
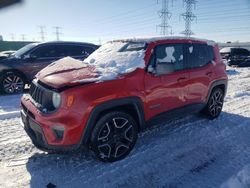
[182,79]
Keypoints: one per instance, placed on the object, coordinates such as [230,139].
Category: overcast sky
[102,20]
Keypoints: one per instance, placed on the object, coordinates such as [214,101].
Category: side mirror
[151,69]
[30,57]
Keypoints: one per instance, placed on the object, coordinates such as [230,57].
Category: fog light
[58,132]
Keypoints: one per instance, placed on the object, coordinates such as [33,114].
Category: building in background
[1,38]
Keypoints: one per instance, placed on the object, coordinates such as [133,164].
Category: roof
[228,49]
[68,42]
[158,38]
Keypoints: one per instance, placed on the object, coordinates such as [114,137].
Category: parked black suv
[20,68]
[236,56]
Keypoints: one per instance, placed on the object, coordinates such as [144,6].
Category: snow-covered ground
[188,152]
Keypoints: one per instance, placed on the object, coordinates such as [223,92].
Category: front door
[166,86]
[42,57]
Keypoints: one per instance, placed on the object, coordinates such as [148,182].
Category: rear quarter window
[241,52]
[199,55]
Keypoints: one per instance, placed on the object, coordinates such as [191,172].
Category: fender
[134,101]
[215,84]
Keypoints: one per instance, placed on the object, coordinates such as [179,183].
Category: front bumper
[41,127]
[36,134]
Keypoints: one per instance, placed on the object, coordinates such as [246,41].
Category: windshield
[115,47]
[114,58]
[134,46]
[24,49]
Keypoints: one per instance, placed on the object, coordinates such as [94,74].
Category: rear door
[200,61]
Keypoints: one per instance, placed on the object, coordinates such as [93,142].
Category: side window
[199,55]
[169,57]
[241,52]
[211,56]
[86,50]
[45,52]
[76,51]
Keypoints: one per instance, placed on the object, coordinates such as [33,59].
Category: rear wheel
[11,83]
[114,136]
[215,104]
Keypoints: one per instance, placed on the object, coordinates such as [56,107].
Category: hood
[3,56]
[67,72]
[8,59]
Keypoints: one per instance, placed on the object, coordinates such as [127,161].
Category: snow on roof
[226,50]
[158,38]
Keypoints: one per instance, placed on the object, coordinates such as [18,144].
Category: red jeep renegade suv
[123,87]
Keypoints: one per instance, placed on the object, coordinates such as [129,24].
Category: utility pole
[23,37]
[165,16]
[188,17]
[42,32]
[57,32]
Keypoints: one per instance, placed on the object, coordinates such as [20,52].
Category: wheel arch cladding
[222,84]
[131,105]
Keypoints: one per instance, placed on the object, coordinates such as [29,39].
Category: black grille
[42,97]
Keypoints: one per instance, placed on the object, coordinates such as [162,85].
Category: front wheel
[114,136]
[215,104]
[11,83]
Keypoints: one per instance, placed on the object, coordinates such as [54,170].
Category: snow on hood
[106,64]
[64,64]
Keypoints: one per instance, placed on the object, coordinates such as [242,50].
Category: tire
[114,136]
[215,104]
[11,83]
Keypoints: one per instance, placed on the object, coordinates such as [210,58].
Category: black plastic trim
[175,113]
[215,84]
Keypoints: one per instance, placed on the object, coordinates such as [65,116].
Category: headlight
[56,99]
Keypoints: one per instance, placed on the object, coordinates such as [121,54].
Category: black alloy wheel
[215,103]
[114,136]
[12,83]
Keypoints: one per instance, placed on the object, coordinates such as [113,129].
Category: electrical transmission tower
[57,32]
[165,16]
[188,17]
[42,32]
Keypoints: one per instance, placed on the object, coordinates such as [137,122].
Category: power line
[42,32]
[165,16]
[188,16]
[57,32]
